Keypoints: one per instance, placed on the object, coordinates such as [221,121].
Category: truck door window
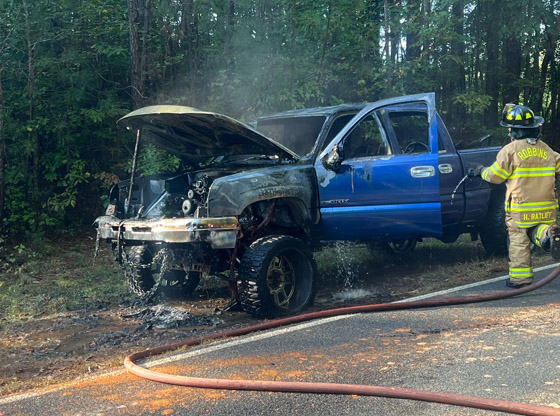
[365,140]
[411,131]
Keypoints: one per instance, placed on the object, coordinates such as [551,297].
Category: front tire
[142,273]
[278,276]
[136,273]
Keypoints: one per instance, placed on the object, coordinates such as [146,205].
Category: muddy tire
[138,277]
[493,232]
[141,275]
[278,276]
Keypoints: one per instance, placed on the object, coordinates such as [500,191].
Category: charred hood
[194,135]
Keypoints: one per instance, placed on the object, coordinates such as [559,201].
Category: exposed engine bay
[164,196]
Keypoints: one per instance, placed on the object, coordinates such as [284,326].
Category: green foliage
[473,101]
[152,159]
[66,76]
[68,182]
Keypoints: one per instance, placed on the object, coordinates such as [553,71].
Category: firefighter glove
[474,172]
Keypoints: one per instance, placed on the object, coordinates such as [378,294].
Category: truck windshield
[298,134]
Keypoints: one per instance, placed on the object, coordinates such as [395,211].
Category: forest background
[70,68]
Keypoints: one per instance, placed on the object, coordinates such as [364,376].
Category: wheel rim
[402,246]
[281,281]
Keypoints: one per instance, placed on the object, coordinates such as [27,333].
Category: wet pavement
[507,349]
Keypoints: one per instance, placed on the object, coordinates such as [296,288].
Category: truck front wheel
[277,276]
[142,272]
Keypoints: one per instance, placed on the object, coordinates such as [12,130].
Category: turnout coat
[530,168]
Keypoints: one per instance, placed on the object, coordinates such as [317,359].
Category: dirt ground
[51,350]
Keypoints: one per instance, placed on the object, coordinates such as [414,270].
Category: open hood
[193,135]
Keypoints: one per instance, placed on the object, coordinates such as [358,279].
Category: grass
[432,265]
[54,277]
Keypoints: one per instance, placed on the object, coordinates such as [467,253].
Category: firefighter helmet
[520,116]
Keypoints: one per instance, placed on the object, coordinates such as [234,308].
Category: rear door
[385,184]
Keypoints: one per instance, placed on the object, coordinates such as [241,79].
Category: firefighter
[529,167]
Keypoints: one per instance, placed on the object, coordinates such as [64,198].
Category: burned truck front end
[162,235]
[243,206]
[172,209]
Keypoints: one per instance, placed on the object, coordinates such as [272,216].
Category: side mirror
[332,159]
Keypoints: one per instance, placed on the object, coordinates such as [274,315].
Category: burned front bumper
[218,232]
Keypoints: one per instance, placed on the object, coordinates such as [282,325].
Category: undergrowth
[38,280]
[432,265]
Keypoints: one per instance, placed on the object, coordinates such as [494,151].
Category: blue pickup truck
[252,203]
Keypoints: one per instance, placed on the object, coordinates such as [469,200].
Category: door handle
[445,168]
[422,171]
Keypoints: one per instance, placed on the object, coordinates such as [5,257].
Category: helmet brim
[537,121]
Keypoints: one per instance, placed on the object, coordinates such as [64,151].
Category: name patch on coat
[537,216]
[532,152]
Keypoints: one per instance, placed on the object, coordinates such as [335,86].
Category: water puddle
[352,294]
[348,268]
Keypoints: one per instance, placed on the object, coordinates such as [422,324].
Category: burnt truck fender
[294,185]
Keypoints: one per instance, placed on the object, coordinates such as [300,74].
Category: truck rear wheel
[141,275]
[493,232]
[393,247]
[278,276]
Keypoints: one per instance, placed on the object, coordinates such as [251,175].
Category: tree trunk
[551,45]
[389,77]
[138,48]
[457,67]
[230,26]
[512,70]
[229,61]
[477,67]
[426,10]
[294,34]
[413,29]
[144,50]
[189,37]
[134,52]
[492,62]
[325,42]
[2,157]
[34,137]
[536,95]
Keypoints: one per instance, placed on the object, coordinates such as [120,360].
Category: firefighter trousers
[520,239]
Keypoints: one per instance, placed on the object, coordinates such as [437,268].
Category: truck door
[378,178]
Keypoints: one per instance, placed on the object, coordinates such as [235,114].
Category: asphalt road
[508,350]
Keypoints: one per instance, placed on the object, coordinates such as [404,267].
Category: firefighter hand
[474,172]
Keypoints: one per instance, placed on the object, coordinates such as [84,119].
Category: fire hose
[343,389]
